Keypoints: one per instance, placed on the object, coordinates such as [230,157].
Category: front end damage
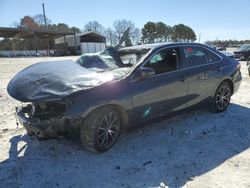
[47,88]
[47,120]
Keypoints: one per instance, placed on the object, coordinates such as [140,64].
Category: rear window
[195,56]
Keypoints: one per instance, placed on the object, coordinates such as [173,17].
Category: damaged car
[101,95]
[243,53]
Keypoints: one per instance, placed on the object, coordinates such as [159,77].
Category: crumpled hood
[52,81]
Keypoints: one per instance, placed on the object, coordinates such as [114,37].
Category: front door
[162,93]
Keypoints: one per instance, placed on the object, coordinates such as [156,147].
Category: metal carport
[6,32]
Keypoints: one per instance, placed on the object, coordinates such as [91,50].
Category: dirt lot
[198,149]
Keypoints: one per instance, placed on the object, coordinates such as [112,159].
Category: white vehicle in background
[229,54]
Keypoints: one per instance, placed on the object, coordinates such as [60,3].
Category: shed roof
[92,37]
[7,32]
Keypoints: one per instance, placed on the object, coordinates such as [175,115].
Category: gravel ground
[197,149]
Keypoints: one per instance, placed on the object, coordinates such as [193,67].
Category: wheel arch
[122,112]
[229,81]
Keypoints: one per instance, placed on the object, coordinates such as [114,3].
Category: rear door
[204,71]
[162,93]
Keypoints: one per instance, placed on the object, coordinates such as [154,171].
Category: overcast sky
[222,19]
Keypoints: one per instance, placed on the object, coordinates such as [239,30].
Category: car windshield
[132,57]
[245,47]
[109,60]
[97,62]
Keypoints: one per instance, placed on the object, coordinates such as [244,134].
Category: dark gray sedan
[243,53]
[103,94]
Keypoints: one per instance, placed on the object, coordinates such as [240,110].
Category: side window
[212,57]
[156,58]
[194,56]
[164,61]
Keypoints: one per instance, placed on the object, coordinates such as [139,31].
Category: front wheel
[222,97]
[101,129]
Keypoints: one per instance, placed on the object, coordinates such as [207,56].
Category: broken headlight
[44,109]
[33,110]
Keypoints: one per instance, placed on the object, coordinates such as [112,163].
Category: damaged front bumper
[51,127]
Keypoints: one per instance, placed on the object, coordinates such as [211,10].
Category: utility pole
[45,24]
[44,16]
[199,37]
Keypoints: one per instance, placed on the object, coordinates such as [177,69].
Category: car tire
[222,96]
[100,130]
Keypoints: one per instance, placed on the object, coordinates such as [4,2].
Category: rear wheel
[101,129]
[222,97]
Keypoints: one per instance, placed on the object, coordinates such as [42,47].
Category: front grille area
[44,110]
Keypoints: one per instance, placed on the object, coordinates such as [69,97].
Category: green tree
[149,32]
[75,29]
[63,27]
[183,33]
[156,32]
[163,32]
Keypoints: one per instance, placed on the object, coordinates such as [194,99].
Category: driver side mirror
[146,72]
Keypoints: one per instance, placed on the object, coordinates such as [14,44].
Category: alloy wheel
[108,130]
[223,97]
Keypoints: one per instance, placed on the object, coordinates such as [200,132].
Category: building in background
[89,42]
[16,36]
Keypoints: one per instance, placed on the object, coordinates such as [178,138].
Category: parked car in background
[243,53]
[148,82]
[58,53]
[212,46]
[221,48]
[228,54]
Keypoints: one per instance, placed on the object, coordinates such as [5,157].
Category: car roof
[155,46]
